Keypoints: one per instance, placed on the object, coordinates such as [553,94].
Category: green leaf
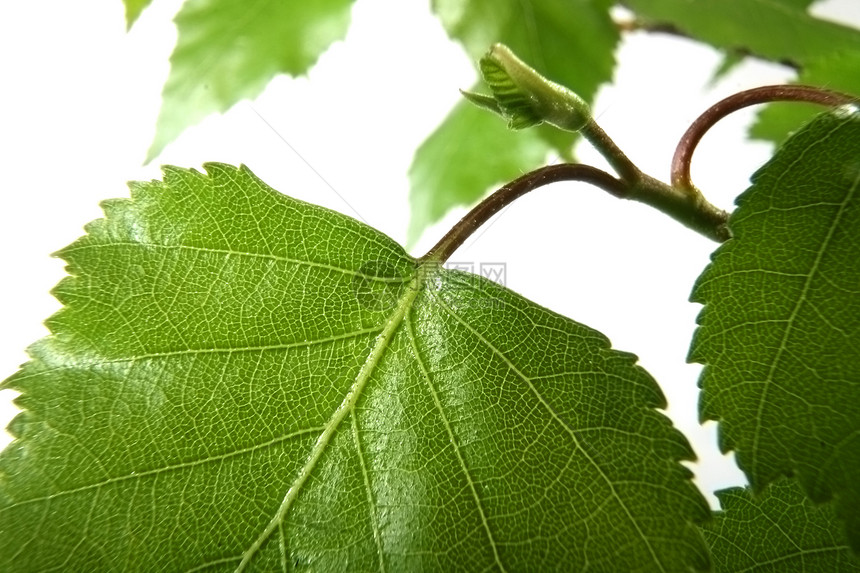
[133,8]
[835,72]
[571,42]
[238,377]
[779,333]
[778,30]
[228,51]
[779,530]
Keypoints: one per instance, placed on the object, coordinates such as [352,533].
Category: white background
[79,98]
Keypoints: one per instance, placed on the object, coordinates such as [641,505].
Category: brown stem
[692,211]
[684,152]
[504,196]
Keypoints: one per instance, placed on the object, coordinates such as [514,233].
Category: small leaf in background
[778,530]
[228,51]
[779,334]
[777,30]
[839,72]
[468,153]
[240,379]
[570,42]
[133,8]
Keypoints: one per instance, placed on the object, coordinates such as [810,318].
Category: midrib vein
[345,408]
[240,254]
[789,328]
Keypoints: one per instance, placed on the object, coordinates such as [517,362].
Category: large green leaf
[779,30]
[780,334]
[571,42]
[228,51]
[241,379]
[777,531]
[840,71]
[133,8]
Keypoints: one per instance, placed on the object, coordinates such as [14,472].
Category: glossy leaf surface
[228,51]
[778,531]
[570,42]
[239,380]
[779,334]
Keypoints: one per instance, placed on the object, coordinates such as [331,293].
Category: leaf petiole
[699,215]
[507,194]
[680,172]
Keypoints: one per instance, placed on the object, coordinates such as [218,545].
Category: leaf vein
[452,438]
[802,298]
[231,252]
[554,414]
[155,471]
[371,502]
[344,409]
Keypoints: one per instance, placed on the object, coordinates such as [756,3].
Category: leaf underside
[779,334]
[571,42]
[227,51]
[777,531]
[239,380]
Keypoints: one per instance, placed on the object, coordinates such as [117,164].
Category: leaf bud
[524,97]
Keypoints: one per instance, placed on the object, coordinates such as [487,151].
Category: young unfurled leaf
[483,101]
[524,97]
[779,334]
[777,530]
[242,380]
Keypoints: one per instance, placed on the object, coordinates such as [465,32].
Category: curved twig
[504,196]
[680,174]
